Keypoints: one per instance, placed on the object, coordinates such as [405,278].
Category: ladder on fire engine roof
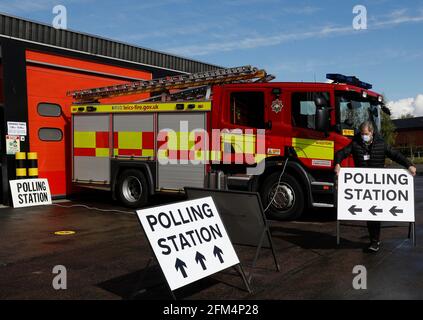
[243,74]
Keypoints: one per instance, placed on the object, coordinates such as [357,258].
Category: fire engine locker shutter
[134,135]
[91,148]
[178,176]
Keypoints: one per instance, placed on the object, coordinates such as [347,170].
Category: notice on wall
[189,240]
[30,192]
[368,194]
[16,128]
[13,145]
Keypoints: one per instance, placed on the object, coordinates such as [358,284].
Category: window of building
[247,109]
[304,108]
[50,134]
[49,110]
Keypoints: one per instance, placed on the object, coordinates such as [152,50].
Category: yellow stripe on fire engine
[314,149]
[130,140]
[142,107]
[102,152]
[83,139]
[241,143]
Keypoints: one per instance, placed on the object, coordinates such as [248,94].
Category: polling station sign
[30,192]
[368,194]
[189,240]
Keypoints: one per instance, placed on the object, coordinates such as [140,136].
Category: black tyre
[288,203]
[132,188]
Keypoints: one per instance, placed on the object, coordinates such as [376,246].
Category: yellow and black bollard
[20,161]
[32,164]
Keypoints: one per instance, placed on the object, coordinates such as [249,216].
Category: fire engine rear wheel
[286,198]
[132,188]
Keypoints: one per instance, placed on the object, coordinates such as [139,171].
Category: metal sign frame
[265,233]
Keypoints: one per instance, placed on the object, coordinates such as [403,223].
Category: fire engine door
[313,147]
[183,172]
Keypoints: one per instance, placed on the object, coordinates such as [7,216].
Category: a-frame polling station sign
[369,194]
[189,240]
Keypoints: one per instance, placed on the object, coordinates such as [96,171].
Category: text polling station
[369,194]
[189,240]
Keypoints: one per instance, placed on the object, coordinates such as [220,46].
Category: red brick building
[410,135]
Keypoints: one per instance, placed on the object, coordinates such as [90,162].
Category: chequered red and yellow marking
[97,144]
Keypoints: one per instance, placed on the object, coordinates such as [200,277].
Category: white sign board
[13,145]
[16,128]
[368,194]
[30,192]
[189,240]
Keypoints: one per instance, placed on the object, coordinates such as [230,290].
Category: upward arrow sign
[180,265]
[199,258]
[218,253]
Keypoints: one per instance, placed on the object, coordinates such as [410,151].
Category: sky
[294,40]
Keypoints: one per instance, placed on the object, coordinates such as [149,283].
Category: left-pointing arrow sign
[353,210]
[180,265]
[394,211]
[373,210]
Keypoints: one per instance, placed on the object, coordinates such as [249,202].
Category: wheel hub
[132,189]
[282,196]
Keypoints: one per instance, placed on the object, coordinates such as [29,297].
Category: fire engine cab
[140,148]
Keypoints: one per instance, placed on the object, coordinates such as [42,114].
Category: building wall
[410,137]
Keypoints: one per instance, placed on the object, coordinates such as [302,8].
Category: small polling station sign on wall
[189,240]
[30,192]
[368,194]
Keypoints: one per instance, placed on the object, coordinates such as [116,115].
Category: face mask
[366,138]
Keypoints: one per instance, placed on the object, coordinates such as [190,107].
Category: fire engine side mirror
[322,119]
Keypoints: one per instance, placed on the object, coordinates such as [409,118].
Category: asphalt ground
[108,255]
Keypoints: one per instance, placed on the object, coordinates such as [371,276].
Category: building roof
[25,30]
[409,123]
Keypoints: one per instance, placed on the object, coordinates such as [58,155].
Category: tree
[388,129]
[407,116]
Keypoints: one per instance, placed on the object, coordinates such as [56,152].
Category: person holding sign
[369,150]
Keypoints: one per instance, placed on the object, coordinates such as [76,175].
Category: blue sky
[295,40]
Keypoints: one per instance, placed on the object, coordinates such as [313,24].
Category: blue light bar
[354,81]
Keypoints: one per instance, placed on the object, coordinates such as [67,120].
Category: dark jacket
[378,151]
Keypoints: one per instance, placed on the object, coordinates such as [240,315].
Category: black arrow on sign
[373,210]
[218,253]
[394,211]
[199,258]
[353,210]
[180,265]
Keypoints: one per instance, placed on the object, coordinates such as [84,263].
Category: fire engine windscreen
[354,109]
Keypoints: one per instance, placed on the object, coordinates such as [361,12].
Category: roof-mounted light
[351,80]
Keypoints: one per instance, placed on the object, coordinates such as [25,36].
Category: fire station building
[38,66]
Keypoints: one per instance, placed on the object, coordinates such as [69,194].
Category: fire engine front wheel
[132,188]
[283,199]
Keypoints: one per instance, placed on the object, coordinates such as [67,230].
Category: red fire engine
[119,147]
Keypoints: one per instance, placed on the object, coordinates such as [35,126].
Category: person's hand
[337,168]
[412,170]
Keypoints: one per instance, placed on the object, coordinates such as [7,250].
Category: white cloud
[412,106]
[395,18]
